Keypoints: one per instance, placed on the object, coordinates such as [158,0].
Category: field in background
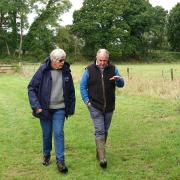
[144,139]
[145,79]
[155,80]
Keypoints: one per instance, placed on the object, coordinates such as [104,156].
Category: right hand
[88,104]
[115,78]
[39,110]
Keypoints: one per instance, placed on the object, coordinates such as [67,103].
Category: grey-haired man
[97,89]
[52,98]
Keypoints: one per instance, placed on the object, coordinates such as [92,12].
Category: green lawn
[144,138]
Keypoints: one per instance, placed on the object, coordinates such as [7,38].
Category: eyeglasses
[60,60]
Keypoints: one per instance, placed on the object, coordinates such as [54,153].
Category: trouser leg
[58,126]
[46,126]
[107,123]
[99,124]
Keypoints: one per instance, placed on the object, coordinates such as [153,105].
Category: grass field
[144,138]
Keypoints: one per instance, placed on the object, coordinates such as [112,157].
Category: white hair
[103,51]
[57,54]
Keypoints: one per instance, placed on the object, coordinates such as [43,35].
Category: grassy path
[144,139]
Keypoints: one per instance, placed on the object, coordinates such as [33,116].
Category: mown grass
[144,138]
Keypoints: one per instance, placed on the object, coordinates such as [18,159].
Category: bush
[162,56]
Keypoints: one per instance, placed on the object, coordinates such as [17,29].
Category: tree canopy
[173,28]
[13,19]
[40,35]
[119,25]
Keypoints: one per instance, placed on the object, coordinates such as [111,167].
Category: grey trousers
[101,122]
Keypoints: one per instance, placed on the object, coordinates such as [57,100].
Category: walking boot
[62,168]
[46,160]
[97,155]
[106,138]
[100,145]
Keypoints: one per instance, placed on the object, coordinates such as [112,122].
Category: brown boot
[97,155]
[106,138]
[100,145]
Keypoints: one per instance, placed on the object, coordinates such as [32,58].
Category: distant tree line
[127,28]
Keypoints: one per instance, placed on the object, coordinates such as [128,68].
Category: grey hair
[57,54]
[103,51]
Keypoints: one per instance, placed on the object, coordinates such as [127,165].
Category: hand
[88,104]
[115,78]
[39,110]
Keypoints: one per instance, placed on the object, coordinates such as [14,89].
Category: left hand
[115,78]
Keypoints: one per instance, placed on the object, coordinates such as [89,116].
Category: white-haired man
[52,98]
[97,88]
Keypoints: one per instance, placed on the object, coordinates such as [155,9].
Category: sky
[77,4]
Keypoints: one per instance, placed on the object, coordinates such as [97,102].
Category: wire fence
[163,73]
[152,80]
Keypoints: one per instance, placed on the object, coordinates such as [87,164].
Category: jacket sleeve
[119,83]
[72,98]
[83,86]
[33,89]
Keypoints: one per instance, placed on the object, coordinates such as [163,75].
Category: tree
[40,39]
[4,25]
[173,28]
[71,43]
[13,20]
[113,24]
[155,38]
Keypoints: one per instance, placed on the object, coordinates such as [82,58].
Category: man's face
[102,60]
[57,63]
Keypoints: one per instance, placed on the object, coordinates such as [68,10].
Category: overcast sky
[76,4]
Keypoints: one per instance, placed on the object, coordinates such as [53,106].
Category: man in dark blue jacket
[97,88]
[52,98]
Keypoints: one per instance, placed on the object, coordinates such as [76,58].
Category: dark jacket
[101,90]
[39,90]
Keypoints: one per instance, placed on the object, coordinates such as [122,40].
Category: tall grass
[155,88]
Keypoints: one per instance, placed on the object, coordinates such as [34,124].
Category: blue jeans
[56,123]
[101,122]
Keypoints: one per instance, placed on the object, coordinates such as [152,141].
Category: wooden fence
[6,68]
[22,66]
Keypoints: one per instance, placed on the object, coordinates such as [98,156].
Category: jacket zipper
[49,91]
[104,97]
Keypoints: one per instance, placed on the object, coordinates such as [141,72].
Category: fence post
[128,72]
[172,75]
[163,74]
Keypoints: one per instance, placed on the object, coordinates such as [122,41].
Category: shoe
[46,160]
[62,168]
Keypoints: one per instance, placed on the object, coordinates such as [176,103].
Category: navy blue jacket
[39,90]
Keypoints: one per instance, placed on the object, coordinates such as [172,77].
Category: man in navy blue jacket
[52,98]
[97,88]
